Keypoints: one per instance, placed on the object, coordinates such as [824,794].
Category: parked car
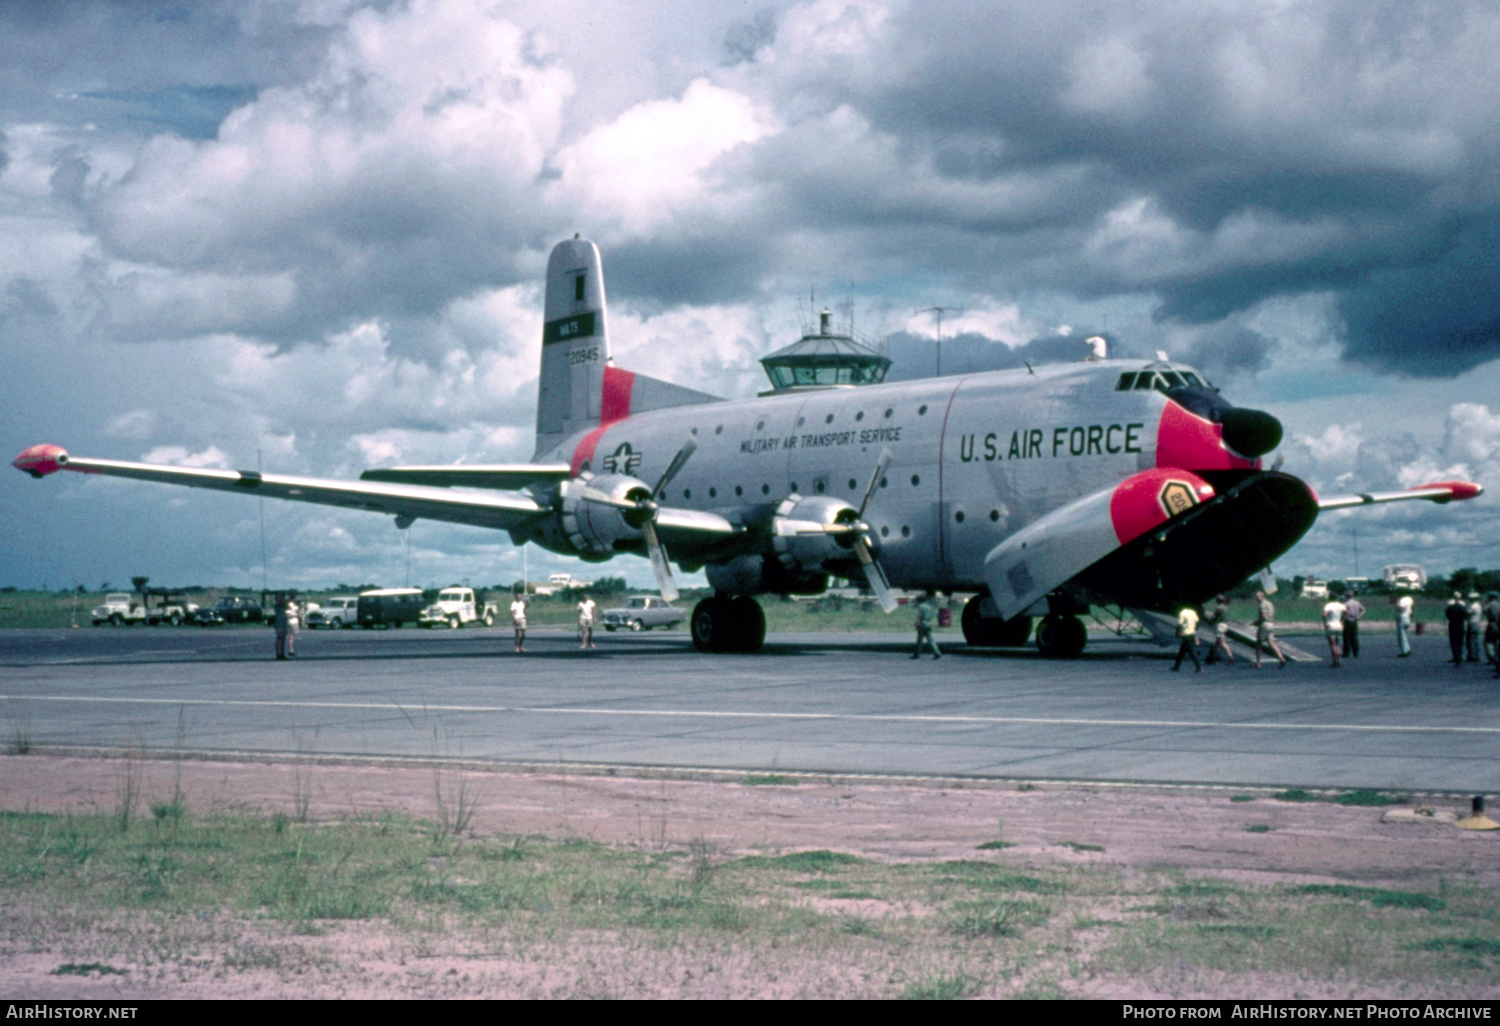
[229,609]
[390,607]
[643,612]
[335,613]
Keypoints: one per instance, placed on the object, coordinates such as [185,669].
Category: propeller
[856,526]
[644,509]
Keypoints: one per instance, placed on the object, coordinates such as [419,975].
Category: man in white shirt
[1333,628]
[1403,606]
[586,622]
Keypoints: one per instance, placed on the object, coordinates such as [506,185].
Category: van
[390,607]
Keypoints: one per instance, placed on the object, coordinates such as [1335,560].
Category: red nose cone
[41,460]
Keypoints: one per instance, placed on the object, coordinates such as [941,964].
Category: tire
[116,620]
[728,625]
[636,626]
[175,620]
[335,624]
[609,628]
[992,632]
[454,623]
[489,619]
[1061,637]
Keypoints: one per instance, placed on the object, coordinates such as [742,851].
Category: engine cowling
[798,542]
[597,528]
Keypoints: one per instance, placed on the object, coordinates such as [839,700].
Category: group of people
[288,613]
[1473,627]
[587,617]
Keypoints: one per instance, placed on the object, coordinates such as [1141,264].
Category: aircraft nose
[1251,433]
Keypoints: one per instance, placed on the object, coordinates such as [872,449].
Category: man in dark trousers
[1353,610]
[1187,630]
[1457,614]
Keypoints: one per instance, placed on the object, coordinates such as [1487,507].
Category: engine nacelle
[597,528]
[804,549]
[754,574]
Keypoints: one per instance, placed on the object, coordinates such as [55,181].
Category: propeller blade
[678,461]
[875,575]
[659,564]
[880,468]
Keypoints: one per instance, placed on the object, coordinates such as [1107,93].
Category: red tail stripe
[614,406]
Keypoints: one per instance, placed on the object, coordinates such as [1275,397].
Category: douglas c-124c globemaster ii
[1116,482]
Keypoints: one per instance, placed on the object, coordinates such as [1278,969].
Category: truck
[1312,588]
[1405,576]
[458,607]
[156,606]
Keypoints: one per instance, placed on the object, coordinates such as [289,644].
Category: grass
[181,895]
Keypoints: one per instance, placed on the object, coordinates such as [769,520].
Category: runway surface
[825,703]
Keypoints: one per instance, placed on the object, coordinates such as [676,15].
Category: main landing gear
[1058,636]
[723,624]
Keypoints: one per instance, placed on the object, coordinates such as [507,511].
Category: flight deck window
[1173,378]
[1126,381]
[1143,383]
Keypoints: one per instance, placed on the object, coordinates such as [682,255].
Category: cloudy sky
[310,236]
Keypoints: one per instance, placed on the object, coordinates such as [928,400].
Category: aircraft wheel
[1061,637]
[728,625]
[992,632]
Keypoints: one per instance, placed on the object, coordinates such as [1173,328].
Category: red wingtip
[1457,490]
[41,460]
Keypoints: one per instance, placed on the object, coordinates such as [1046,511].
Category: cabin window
[738,490]
[922,410]
[828,419]
[853,484]
[719,430]
[915,480]
[713,493]
[859,416]
[958,517]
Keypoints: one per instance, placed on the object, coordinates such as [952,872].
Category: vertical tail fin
[575,343]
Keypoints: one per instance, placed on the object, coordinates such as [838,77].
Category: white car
[335,613]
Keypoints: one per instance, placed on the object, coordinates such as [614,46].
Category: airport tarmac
[819,703]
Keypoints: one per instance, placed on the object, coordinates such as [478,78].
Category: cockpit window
[1160,380]
[1126,381]
[1146,382]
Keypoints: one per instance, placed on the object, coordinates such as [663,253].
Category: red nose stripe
[1149,499]
[1186,440]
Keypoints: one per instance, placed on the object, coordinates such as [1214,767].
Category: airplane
[1044,491]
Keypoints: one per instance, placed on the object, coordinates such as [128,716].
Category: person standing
[1353,610]
[1187,631]
[1265,630]
[926,620]
[518,620]
[293,625]
[586,622]
[1333,628]
[1403,606]
[280,624]
[1219,617]
[1457,614]
[1492,630]
[1474,628]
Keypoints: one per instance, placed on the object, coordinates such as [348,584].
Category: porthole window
[719,430]
[853,484]
[922,410]
[713,493]
[915,480]
[994,515]
[801,421]
[738,490]
[906,532]
[692,431]
[765,489]
[885,532]
[860,415]
[958,517]
[818,487]
[794,486]
[828,419]
[760,425]
[884,481]
[687,493]
[888,413]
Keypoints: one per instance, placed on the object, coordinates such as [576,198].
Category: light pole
[939,311]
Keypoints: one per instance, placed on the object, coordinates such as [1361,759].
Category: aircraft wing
[504,510]
[1438,491]
[505,475]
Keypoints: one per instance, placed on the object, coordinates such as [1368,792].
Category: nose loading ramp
[1163,630]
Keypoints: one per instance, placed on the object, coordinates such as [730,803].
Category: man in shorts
[1333,628]
[1265,630]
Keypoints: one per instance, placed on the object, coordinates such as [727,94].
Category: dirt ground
[1196,830]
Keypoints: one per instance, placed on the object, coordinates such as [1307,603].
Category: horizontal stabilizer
[507,476]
